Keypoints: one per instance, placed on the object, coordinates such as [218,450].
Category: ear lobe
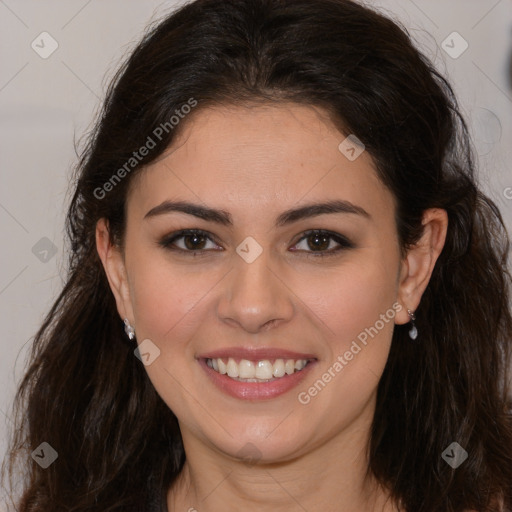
[418,265]
[114,267]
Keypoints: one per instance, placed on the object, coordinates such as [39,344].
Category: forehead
[263,157]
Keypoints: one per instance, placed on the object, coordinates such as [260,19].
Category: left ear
[113,263]
[419,263]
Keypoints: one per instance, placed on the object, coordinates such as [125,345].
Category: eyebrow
[288,217]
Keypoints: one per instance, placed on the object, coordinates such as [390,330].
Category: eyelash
[344,242]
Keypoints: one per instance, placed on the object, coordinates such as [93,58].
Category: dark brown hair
[88,396]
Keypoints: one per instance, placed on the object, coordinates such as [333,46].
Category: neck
[330,476]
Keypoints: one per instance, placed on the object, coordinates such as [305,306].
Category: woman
[286,291]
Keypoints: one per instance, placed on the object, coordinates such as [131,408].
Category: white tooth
[278,368]
[264,369]
[232,368]
[246,369]
[209,363]
[289,366]
[222,366]
[215,365]
[300,363]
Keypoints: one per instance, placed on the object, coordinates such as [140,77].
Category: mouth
[256,374]
[264,370]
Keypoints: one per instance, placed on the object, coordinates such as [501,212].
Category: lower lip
[256,390]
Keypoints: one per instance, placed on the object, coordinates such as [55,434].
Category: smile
[257,373]
[265,370]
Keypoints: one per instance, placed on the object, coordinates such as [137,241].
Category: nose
[255,296]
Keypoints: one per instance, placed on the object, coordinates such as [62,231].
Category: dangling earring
[413,333]
[128,329]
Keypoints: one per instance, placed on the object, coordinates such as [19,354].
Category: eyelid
[167,240]
[342,241]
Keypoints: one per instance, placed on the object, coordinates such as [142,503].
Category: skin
[256,163]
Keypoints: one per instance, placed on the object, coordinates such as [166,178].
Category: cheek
[167,299]
[168,304]
[351,299]
[357,315]
[355,307]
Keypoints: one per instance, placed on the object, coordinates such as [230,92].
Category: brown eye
[323,243]
[315,242]
[194,242]
[318,242]
[188,240]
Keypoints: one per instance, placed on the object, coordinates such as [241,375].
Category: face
[252,281]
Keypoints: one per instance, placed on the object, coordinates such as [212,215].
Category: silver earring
[413,333]
[128,329]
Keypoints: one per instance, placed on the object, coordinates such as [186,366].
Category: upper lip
[255,354]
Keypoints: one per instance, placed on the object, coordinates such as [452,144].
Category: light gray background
[47,103]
